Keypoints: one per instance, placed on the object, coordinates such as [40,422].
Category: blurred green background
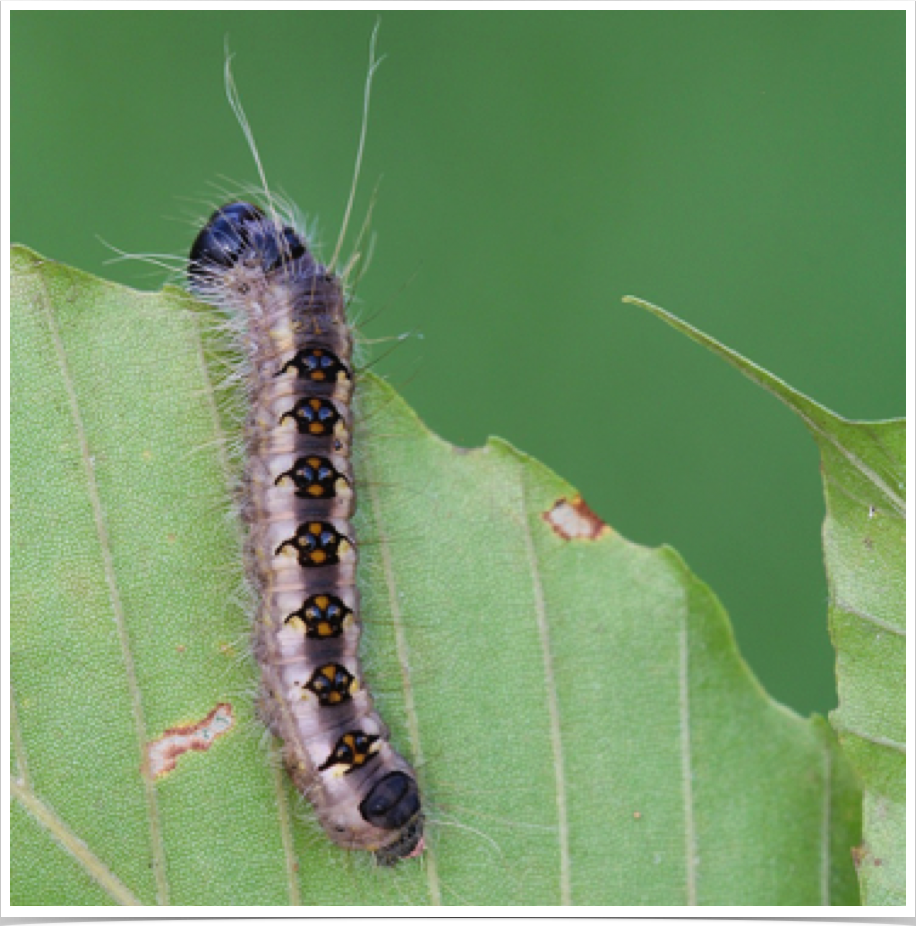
[743,169]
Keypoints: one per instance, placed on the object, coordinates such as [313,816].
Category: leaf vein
[403,652]
[553,703]
[136,703]
[826,823]
[90,862]
[22,765]
[690,838]
[870,618]
[286,833]
[875,738]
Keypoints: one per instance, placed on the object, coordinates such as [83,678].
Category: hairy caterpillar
[301,551]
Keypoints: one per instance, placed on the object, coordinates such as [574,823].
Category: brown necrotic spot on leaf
[574,520]
[163,753]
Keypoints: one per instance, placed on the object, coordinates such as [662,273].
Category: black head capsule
[394,804]
[240,232]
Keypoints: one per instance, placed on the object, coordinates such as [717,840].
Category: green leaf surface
[863,466]
[584,729]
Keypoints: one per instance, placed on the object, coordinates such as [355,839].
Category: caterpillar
[298,499]
[301,552]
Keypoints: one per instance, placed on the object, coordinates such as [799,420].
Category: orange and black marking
[298,346]
[331,684]
[318,365]
[316,417]
[352,751]
[322,616]
[315,477]
[317,543]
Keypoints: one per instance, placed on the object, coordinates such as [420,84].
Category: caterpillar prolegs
[301,549]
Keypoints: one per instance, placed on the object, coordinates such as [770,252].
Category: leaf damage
[162,754]
[574,520]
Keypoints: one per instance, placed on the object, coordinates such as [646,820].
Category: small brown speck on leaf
[163,753]
[574,520]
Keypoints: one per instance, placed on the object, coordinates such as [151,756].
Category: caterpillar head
[240,233]
[394,804]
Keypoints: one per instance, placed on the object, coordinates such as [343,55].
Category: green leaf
[584,729]
[863,467]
